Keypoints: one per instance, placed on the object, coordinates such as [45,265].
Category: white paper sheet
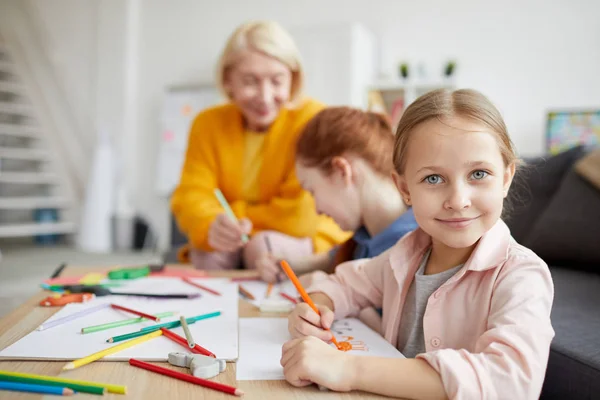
[65,341]
[261,340]
[259,290]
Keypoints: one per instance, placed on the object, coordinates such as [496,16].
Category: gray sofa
[556,213]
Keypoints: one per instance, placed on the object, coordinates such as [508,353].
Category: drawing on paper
[345,341]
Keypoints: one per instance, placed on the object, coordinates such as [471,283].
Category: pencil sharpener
[200,366]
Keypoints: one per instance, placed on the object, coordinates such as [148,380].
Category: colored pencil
[228,211]
[268,243]
[116,324]
[287,296]
[186,377]
[58,271]
[118,389]
[269,290]
[126,336]
[175,324]
[199,286]
[186,331]
[25,387]
[73,386]
[135,312]
[182,341]
[71,317]
[290,273]
[111,350]
[245,278]
[245,293]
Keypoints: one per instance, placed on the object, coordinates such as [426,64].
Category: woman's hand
[226,235]
[309,360]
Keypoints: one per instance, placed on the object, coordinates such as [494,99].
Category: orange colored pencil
[245,293]
[199,286]
[290,273]
[269,289]
[141,314]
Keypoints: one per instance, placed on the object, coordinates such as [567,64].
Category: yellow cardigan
[215,158]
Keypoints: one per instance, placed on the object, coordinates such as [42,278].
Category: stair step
[31,229]
[27,131]
[28,177]
[11,87]
[16,153]
[15,108]
[31,203]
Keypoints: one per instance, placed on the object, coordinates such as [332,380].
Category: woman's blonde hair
[269,38]
[443,103]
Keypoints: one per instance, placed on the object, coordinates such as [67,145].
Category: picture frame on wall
[566,129]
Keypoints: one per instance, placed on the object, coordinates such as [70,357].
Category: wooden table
[142,384]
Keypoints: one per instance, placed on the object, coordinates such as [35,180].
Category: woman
[246,149]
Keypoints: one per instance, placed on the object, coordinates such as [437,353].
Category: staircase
[30,188]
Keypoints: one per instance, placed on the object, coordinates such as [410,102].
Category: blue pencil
[175,324]
[30,388]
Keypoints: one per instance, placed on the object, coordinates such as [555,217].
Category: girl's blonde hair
[444,103]
[269,38]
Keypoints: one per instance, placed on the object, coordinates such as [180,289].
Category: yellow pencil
[111,350]
[111,388]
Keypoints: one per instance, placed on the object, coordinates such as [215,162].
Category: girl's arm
[397,377]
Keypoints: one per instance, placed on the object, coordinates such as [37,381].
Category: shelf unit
[393,97]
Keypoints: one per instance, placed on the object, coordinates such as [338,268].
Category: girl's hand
[309,360]
[269,269]
[303,321]
[226,235]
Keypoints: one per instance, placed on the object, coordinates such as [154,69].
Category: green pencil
[76,387]
[175,324]
[116,324]
[228,210]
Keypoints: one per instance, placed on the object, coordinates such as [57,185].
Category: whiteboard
[180,107]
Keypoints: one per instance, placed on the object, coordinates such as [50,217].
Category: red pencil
[129,310]
[185,377]
[199,286]
[246,278]
[290,298]
[183,341]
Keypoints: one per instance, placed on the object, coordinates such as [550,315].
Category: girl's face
[336,194]
[455,179]
[260,86]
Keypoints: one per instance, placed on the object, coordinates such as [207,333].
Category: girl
[246,149]
[466,304]
[342,159]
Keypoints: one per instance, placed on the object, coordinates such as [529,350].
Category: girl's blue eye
[433,179]
[479,174]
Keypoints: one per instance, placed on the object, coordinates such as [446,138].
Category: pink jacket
[487,329]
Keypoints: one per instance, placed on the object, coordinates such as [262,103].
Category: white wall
[527,56]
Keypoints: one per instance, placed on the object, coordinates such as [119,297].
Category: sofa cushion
[574,364]
[589,168]
[568,231]
[533,188]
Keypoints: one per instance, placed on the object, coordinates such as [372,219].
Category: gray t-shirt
[411,339]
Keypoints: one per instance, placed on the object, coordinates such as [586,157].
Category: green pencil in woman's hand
[229,211]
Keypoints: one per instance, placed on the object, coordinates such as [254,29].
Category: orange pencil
[245,293]
[269,289]
[290,273]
